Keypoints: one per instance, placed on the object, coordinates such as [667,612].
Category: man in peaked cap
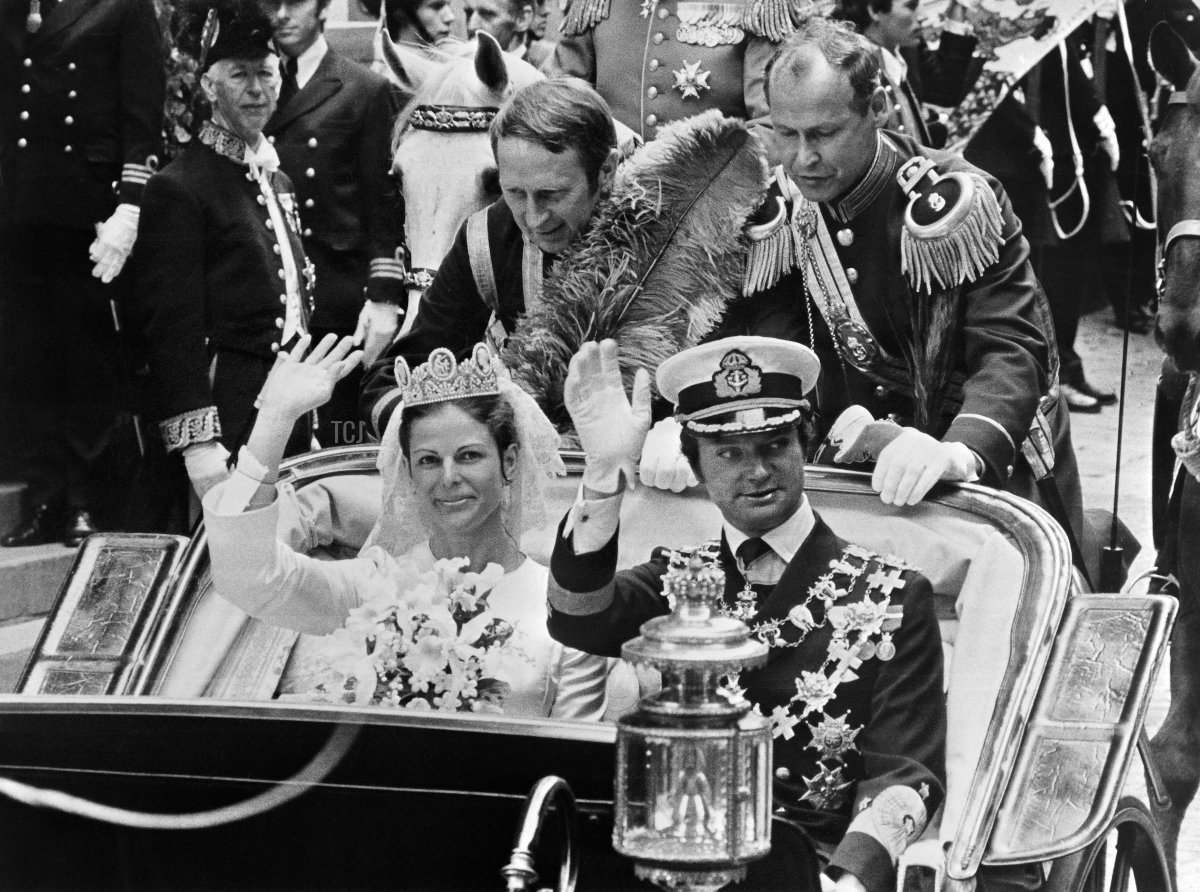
[854,695]
[81,100]
[223,281]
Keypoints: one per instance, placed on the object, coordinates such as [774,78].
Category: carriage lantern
[693,784]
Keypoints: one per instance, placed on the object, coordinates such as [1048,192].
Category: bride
[463,467]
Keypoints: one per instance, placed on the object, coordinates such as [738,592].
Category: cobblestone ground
[1099,343]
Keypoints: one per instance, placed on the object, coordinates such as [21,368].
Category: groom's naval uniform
[853,682]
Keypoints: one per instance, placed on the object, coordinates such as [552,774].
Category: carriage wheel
[1127,857]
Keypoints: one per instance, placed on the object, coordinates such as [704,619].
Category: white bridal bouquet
[430,641]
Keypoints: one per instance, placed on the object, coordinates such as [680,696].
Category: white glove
[611,429]
[114,240]
[1041,142]
[914,461]
[377,327]
[1108,136]
[663,465]
[207,465]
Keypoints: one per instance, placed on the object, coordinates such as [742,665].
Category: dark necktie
[751,550]
[290,85]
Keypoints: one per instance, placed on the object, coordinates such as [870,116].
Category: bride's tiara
[443,378]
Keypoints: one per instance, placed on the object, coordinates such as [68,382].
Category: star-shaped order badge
[690,79]
[827,789]
[833,737]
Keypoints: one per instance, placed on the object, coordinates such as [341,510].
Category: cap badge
[738,376]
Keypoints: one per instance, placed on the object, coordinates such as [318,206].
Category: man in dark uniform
[333,130]
[555,149]
[81,99]
[655,61]
[222,279]
[853,682]
[921,301]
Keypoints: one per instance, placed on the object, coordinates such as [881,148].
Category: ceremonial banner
[1013,36]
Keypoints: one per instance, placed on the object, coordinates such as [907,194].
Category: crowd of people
[252,291]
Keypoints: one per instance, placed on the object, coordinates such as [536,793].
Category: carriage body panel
[1032,779]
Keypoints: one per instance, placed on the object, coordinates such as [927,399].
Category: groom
[854,694]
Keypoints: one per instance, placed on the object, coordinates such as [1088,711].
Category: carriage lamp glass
[693,784]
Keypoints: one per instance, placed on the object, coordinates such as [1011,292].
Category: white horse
[442,153]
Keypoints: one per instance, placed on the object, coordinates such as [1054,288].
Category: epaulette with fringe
[953,228]
[774,249]
[772,19]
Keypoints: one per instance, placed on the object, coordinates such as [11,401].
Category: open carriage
[1048,691]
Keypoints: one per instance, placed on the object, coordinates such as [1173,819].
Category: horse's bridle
[1182,229]
[453,118]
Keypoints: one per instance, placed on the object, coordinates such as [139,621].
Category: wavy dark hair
[400,13]
[493,412]
[560,113]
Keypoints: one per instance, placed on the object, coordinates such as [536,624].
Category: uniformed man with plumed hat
[853,682]
[223,282]
[81,104]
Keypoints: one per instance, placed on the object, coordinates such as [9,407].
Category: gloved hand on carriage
[612,427]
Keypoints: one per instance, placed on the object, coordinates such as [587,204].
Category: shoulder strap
[479,250]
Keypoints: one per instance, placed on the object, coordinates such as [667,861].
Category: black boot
[43,525]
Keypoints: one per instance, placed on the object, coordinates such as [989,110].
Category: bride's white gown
[267,579]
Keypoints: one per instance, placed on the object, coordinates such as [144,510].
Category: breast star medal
[690,79]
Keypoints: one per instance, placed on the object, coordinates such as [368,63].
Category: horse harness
[446,119]
[1182,229]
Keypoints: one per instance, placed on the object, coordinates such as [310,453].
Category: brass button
[271,140]
[658,38]
[852,276]
[269,223]
[310,173]
[652,93]
[22,143]
[283,298]
[308,202]
[312,143]
[896,107]
[651,120]
[28,63]
[70,66]
[881,391]
[282,274]
[663,12]
[307,233]
[900,128]
[275,247]
[72,95]
[845,237]
[68,120]
[782,773]
[274,348]
[68,149]
[279,323]
[1009,471]
[24,88]
[24,116]
[653,65]
[260,199]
